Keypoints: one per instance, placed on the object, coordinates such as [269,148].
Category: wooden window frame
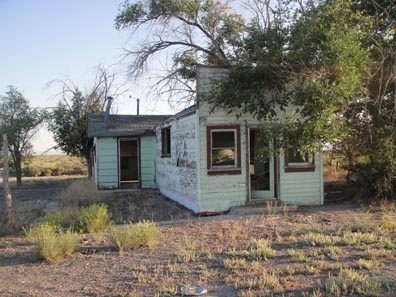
[224,170]
[296,167]
[166,144]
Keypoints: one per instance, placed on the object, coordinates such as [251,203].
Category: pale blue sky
[42,40]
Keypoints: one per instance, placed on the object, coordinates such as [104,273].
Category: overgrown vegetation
[94,218]
[53,166]
[52,243]
[143,234]
[267,255]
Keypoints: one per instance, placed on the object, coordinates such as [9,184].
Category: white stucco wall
[176,176]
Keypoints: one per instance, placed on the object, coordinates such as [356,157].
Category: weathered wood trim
[299,168]
[225,172]
[237,169]
[307,168]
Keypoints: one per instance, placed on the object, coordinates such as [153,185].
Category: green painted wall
[147,172]
[107,162]
[302,187]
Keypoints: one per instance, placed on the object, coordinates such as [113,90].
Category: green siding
[302,187]
[147,147]
[107,164]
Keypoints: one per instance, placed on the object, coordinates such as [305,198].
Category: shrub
[94,218]
[45,172]
[57,171]
[81,192]
[143,234]
[57,219]
[51,243]
[30,171]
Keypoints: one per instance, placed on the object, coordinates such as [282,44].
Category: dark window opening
[166,142]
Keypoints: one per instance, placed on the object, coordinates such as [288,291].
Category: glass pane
[223,139]
[223,157]
[259,169]
[295,157]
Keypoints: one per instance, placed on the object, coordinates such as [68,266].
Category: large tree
[334,61]
[187,31]
[20,123]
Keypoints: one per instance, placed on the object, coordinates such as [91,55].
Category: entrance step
[270,207]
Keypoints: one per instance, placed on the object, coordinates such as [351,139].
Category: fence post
[6,182]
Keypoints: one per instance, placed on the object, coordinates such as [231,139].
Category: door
[128,161]
[261,172]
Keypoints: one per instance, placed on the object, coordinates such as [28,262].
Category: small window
[297,162]
[224,150]
[166,142]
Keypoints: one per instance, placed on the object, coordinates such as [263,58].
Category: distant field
[53,165]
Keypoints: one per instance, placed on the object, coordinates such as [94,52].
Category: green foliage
[334,62]
[351,282]
[57,219]
[69,125]
[19,122]
[142,234]
[94,218]
[51,243]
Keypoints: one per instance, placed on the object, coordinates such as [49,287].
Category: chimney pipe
[137,106]
[107,112]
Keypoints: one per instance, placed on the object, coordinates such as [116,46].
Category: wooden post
[6,183]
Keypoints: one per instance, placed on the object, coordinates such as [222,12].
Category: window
[224,150]
[166,142]
[297,162]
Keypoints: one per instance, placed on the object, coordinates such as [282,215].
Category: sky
[44,40]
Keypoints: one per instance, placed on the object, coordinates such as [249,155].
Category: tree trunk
[6,184]
[18,170]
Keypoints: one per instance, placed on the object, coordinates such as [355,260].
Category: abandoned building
[204,159]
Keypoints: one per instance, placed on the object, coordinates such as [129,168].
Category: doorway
[261,171]
[128,162]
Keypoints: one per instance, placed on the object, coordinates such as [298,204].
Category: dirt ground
[192,250]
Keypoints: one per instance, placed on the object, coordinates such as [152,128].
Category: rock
[193,290]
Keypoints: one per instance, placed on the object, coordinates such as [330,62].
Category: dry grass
[253,256]
[56,165]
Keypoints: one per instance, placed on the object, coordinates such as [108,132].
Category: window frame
[166,143]
[299,166]
[219,170]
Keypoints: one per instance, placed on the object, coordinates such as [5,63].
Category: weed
[142,234]
[372,254]
[362,222]
[260,249]
[317,239]
[388,220]
[358,238]
[350,282]
[297,255]
[80,192]
[57,219]
[333,252]
[187,249]
[94,218]
[52,244]
[234,264]
[367,264]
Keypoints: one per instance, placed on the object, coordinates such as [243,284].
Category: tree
[20,123]
[334,61]
[69,120]
[191,31]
